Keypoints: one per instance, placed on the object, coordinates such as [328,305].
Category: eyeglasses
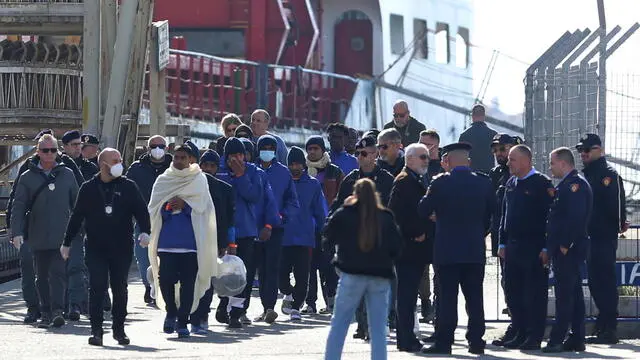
[51,150]
[158,146]
[398,115]
[423,157]
[383,147]
[364,153]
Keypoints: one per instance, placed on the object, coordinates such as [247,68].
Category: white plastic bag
[232,276]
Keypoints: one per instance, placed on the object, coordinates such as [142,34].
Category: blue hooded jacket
[267,208]
[284,190]
[301,230]
[249,190]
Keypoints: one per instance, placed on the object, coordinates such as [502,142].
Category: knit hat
[195,151]
[244,131]
[265,140]
[210,156]
[249,146]
[316,140]
[296,155]
[70,136]
[233,146]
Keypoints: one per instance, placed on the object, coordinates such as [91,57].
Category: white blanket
[191,186]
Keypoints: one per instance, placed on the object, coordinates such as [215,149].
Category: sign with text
[627,274]
[162,43]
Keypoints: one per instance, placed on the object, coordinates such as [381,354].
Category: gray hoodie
[51,211]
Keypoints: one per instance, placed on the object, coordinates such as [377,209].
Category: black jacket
[393,170]
[480,136]
[408,190]
[62,158]
[382,178]
[609,212]
[144,173]
[224,201]
[410,133]
[342,230]
[107,232]
[87,168]
[499,176]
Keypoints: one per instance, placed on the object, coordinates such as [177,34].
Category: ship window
[443,53]
[357,43]
[420,36]
[353,15]
[396,23]
[462,48]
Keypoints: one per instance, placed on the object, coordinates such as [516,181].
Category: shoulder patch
[606,181]
[551,191]
[575,187]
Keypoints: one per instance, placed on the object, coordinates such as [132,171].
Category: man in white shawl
[182,248]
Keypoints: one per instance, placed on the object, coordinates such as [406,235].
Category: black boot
[222,316]
[45,321]
[509,335]
[120,336]
[96,338]
[147,295]
[33,314]
[234,318]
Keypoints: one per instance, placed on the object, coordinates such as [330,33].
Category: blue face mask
[267,155]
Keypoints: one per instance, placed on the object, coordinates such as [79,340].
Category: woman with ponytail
[367,241]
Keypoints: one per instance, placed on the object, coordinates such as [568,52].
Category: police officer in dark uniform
[567,247]
[90,148]
[72,147]
[463,202]
[608,219]
[499,175]
[528,195]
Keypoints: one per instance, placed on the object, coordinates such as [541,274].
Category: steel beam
[91,75]
[601,126]
[109,23]
[157,91]
[119,73]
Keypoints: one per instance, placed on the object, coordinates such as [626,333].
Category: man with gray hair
[408,127]
[390,156]
[260,120]
[44,197]
[144,173]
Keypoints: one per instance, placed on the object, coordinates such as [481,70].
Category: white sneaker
[295,315]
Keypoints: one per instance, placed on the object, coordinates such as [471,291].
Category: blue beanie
[249,146]
[316,140]
[265,140]
[70,136]
[296,155]
[233,146]
[210,156]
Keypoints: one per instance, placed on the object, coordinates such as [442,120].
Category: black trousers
[469,277]
[409,276]
[569,299]
[295,259]
[321,262]
[527,282]
[267,260]
[601,267]
[204,307]
[51,280]
[245,251]
[174,268]
[108,267]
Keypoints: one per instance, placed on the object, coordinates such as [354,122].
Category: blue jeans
[142,256]
[351,289]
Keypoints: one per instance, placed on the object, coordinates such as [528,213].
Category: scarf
[313,166]
[190,185]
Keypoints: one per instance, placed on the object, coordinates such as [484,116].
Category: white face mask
[157,153]
[116,170]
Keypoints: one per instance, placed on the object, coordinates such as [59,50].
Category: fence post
[262,84]
[237,90]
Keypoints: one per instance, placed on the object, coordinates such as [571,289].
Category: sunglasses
[423,157]
[398,115]
[51,150]
[158,146]
[364,153]
[588,150]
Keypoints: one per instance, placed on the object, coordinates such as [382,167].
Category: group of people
[366,217]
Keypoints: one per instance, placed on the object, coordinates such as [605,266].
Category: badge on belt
[52,186]
[108,209]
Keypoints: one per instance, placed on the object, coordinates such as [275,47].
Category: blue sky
[524,29]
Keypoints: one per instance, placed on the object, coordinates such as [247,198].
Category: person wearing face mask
[408,189]
[106,204]
[144,173]
[300,235]
[268,249]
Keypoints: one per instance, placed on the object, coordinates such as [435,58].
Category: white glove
[144,239]
[17,242]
